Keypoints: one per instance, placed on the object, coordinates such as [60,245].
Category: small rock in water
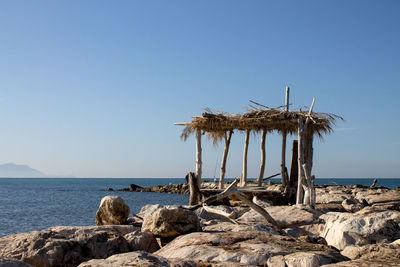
[112,210]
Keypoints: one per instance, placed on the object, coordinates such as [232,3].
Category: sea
[28,204]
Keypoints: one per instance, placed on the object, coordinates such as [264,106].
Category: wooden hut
[305,123]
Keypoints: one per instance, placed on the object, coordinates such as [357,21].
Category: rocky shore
[350,226]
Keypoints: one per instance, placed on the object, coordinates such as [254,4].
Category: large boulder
[283,215]
[301,259]
[143,241]
[66,246]
[112,210]
[361,228]
[352,205]
[380,198]
[139,258]
[371,255]
[246,248]
[332,194]
[169,222]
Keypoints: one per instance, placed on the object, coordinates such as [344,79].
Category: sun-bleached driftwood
[271,176]
[309,190]
[301,131]
[214,198]
[256,208]
[221,213]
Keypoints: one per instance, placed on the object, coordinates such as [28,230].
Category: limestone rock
[231,227]
[139,258]
[303,259]
[170,222]
[371,255]
[352,205]
[143,241]
[246,248]
[65,246]
[332,194]
[283,215]
[380,198]
[148,209]
[112,210]
[360,228]
[13,263]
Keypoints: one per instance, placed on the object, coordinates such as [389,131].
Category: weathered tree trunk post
[294,169]
[243,178]
[198,158]
[224,157]
[300,155]
[195,195]
[304,146]
[262,166]
[285,180]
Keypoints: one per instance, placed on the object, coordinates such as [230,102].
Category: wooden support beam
[227,136]
[198,158]
[294,166]
[285,179]
[243,178]
[262,165]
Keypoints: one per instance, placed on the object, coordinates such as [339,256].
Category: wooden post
[285,180]
[198,158]
[224,157]
[300,152]
[302,130]
[294,165]
[262,167]
[243,178]
[194,190]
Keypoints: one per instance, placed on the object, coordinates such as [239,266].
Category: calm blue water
[33,204]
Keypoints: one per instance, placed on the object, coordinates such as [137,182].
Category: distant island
[12,170]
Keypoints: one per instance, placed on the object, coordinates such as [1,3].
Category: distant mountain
[12,170]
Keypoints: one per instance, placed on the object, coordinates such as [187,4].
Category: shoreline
[371,216]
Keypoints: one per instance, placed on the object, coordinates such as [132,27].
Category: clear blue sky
[92,88]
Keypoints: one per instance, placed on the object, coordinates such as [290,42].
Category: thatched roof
[258,119]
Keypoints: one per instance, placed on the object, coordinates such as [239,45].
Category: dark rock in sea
[134,187]
[109,189]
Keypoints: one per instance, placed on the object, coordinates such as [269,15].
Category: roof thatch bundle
[258,119]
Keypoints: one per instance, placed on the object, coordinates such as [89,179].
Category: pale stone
[301,259]
[112,210]
[283,215]
[352,205]
[247,247]
[360,228]
[170,222]
[332,194]
[65,246]
[144,241]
